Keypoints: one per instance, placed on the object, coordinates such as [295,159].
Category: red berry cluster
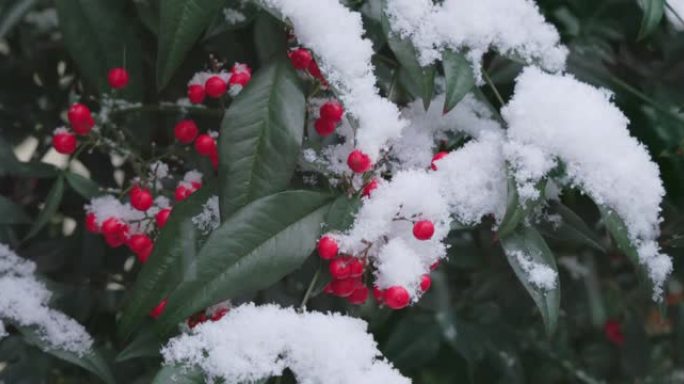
[206,315]
[185,189]
[186,132]
[303,60]
[330,116]
[215,86]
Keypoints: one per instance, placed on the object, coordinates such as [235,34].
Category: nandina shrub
[328,191]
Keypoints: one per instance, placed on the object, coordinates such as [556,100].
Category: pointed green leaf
[653,14]
[342,213]
[11,213]
[257,246]
[261,135]
[52,202]
[84,186]
[516,212]
[270,39]
[147,343]
[459,76]
[571,227]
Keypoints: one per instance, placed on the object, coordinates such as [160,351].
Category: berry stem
[309,290]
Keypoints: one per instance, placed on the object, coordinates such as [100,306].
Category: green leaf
[261,135]
[528,241]
[653,13]
[52,202]
[10,165]
[618,230]
[146,344]
[84,186]
[177,374]
[515,210]
[91,361]
[270,38]
[256,247]
[11,213]
[459,77]
[181,24]
[174,249]
[571,227]
[100,36]
[12,12]
[414,341]
[342,213]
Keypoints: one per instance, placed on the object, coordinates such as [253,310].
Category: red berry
[185,131]
[218,315]
[159,309]
[141,245]
[437,157]
[358,161]
[359,296]
[240,78]
[423,230]
[196,93]
[141,198]
[64,143]
[356,267]
[91,223]
[205,145]
[112,226]
[396,297]
[327,248]
[314,70]
[333,111]
[325,127]
[300,58]
[339,268]
[115,240]
[435,265]
[214,159]
[378,294]
[118,78]
[81,119]
[425,283]
[183,192]
[343,287]
[162,217]
[613,332]
[215,87]
[369,188]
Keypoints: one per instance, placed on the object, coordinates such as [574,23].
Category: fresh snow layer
[541,276]
[512,27]
[335,35]
[557,117]
[24,302]
[674,11]
[210,217]
[257,342]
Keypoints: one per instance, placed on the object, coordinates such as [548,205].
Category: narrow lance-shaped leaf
[11,213]
[84,186]
[52,202]
[459,77]
[653,14]
[516,211]
[570,228]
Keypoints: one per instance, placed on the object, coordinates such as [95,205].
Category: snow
[541,276]
[210,217]
[557,117]
[512,27]
[674,11]
[24,302]
[108,206]
[253,342]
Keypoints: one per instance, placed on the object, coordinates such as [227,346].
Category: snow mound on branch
[558,117]
[512,27]
[24,301]
[257,342]
[335,35]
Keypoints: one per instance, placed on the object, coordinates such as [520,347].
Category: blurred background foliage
[476,325]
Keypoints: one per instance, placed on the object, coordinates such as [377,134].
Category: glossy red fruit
[359,296]
[369,188]
[612,329]
[396,297]
[215,87]
[118,78]
[425,283]
[185,131]
[327,248]
[325,127]
[333,111]
[182,192]
[159,309]
[340,268]
[205,145]
[423,230]
[240,78]
[141,198]
[113,226]
[162,217]
[91,223]
[343,287]
[64,143]
[116,240]
[379,295]
[356,267]
[141,245]
[358,161]
[315,70]
[436,158]
[196,93]
[218,314]
[300,58]
[81,119]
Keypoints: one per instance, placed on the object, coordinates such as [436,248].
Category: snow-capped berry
[327,248]
[162,217]
[359,296]
[182,192]
[64,143]
[425,283]
[159,309]
[240,78]
[205,145]
[325,127]
[356,267]
[423,230]
[339,268]
[358,161]
[80,118]
[314,70]
[300,58]
[91,223]
[332,110]
[215,87]
[196,93]
[378,294]
[141,245]
[369,188]
[141,198]
[113,227]
[185,131]
[118,78]
[436,158]
[343,287]
[396,297]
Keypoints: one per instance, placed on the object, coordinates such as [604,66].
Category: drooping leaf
[342,213]
[261,135]
[174,249]
[11,213]
[618,230]
[257,246]
[84,186]
[570,228]
[653,14]
[146,344]
[528,241]
[179,375]
[52,202]
[100,36]
[11,13]
[459,77]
